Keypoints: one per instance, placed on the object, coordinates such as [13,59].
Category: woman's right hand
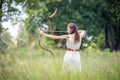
[41,33]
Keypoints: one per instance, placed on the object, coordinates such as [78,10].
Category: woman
[71,59]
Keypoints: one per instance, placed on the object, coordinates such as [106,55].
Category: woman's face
[69,30]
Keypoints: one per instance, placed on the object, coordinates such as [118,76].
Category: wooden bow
[40,37]
[39,42]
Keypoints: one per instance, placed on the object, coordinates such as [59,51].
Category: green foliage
[93,16]
[3,46]
[86,14]
[5,41]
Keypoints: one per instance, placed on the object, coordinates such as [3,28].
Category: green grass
[37,64]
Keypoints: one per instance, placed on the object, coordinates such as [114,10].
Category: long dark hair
[74,29]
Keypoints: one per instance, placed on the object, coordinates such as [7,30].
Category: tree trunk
[112,37]
[106,38]
[116,43]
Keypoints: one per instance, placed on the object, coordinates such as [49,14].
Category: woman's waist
[70,49]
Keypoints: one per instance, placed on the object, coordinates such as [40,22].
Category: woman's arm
[53,36]
[82,33]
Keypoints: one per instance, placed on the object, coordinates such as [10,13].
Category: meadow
[37,64]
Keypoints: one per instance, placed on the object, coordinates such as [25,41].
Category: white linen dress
[72,60]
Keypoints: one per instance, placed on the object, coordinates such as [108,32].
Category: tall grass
[37,64]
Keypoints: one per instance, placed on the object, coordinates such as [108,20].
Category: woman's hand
[41,33]
[82,33]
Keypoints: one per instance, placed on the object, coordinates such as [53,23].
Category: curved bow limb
[53,14]
[46,49]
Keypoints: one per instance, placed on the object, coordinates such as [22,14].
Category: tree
[112,26]
[8,11]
